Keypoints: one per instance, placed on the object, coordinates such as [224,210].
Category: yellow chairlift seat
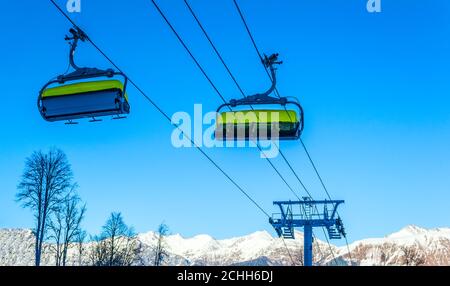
[84,99]
[257,124]
[84,88]
[259,120]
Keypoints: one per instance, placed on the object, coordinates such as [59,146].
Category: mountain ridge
[425,246]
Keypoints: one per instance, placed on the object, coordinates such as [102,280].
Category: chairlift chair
[263,122]
[85,92]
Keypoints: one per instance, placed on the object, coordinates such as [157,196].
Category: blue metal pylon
[307,214]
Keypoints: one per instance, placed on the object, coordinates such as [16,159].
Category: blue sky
[375,89]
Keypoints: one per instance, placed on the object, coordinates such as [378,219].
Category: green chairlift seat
[84,100]
[257,124]
[260,116]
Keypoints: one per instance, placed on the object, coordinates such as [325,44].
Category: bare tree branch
[116,246]
[45,182]
[413,255]
[159,249]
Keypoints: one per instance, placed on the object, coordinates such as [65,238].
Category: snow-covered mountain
[259,248]
[411,245]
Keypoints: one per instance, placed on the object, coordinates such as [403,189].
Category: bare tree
[45,182]
[204,260]
[321,254]
[412,255]
[139,254]
[385,252]
[208,259]
[64,226]
[116,246]
[80,239]
[298,256]
[74,215]
[98,253]
[56,228]
[159,249]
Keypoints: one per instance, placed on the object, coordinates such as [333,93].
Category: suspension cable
[315,169]
[215,88]
[243,93]
[180,39]
[165,115]
[239,10]
[189,51]
[239,86]
[288,251]
[326,191]
[253,42]
[214,48]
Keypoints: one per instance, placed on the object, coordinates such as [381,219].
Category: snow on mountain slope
[16,247]
[408,235]
[421,246]
[204,249]
[411,245]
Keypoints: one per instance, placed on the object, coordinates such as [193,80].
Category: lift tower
[308,214]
